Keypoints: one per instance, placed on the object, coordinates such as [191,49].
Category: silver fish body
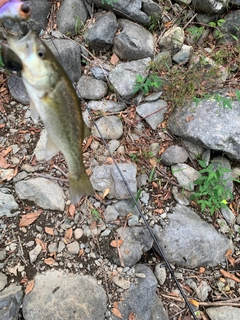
[54,99]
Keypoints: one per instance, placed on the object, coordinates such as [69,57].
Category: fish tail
[80,187]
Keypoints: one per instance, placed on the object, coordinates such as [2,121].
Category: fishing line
[159,249]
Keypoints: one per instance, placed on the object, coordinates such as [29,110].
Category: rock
[153,112]
[179,196]
[163,60]
[179,238]
[185,175]
[172,40]
[52,247]
[100,73]
[68,54]
[125,207]
[18,90]
[208,125]
[183,55]
[141,298]
[127,72]
[101,33]
[73,247]
[10,302]
[160,273]
[106,106]
[3,280]
[158,311]
[61,246]
[88,301]
[224,163]
[128,9]
[111,127]
[203,290]
[227,29]
[223,313]
[121,282]
[34,253]
[7,204]
[90,88]
[136,240]
[228,215]
[78,233]
[173,155]
[44,192]
[193,149]
[39,151]
[110,214]
[71,16]
[152,9]
[107,177]
[209,6]
[133,42]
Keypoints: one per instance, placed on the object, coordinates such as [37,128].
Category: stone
[185,175]
[133,42]
[106,106]
[10,302]
[173,155]
[183,55]
[224,163]
[7,204]
[209,6]
[78,233]
[73,247]
[90,88]
[179,196]
[99,73]
[160,273]
[203,290]
[34,253]
[110,214]
[127,72]
[121,282]
[3,280]
[163,60]
[195,150]
[111,127]
[52,247]
[223,313]
[71,16]
[107,177]
[228,215]
[44,192]
[227,29]
[153,112]
[88,301]
[18,90]
[100,34]
[190,242]
[152,9]
[172,40]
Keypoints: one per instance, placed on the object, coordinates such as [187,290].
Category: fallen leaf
[3,163]
[117,313]
[6,151]
[88,143]
[68,234]
[114,59]
[105,193]
[42,244]
[155,185]
[194,302]
[49,261]
[28,219]
[160,211]
[115,304]
[109,161]
[116,243]
[189,118]
[229,275]
[201,270]
[49,231]
[71,210]
[24,280]
[132,316]
[229,257]
[29,287]
[81,252]
[14,269]
[2,125]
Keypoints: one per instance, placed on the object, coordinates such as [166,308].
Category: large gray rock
[130,9]
[107,177]
[111,127]
[207,125]
[106,106]
[190,242]
[7,204]
[10,302]
[18,90]
[133,42]
[223,313]
[127,72]
[71,16]
[141,299]
[172,40]
[231,27]
[100,35]
[44,192]
[58,295]
[209,6]
[174,154]
[153,112]
[90,88]
[69,55]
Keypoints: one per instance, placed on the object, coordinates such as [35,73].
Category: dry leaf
[189,118]
[5,152]
[14,269]
[29,218]
[49,261]
[194,302]
[105,193]
[229,257]
[229,275]
[201,270]
[109,161]
[68,234]
[81,252]
[132,316]
[49,231]
[117,313]
[24,280]
[116,243]
[71,210]
[114,59]
[42,244]
[115,304]
[29,287]
[160,211]
[3,163]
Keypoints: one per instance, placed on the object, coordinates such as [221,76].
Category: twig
[21,251]
[47,176]
[119,252]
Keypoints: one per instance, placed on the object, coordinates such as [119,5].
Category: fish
[15,9]
[54,99]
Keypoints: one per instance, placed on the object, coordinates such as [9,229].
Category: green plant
[134,157]
[217,33]
[212,191]
[78,26]
[146,84]
[154,23]
[95,214]
[195,32]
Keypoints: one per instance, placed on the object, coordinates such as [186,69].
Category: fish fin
[34,112]
[86,131]
[50,149]
[80,187]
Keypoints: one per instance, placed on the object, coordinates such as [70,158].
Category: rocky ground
[97,260]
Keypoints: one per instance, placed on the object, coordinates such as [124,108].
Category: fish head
[15,9]
[38,62]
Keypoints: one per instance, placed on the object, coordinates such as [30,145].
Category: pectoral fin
[34,112]
[50,149]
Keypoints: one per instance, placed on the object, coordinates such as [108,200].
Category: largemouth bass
[54,99]
[15,9]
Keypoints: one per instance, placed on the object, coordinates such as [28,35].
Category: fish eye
[40,54]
